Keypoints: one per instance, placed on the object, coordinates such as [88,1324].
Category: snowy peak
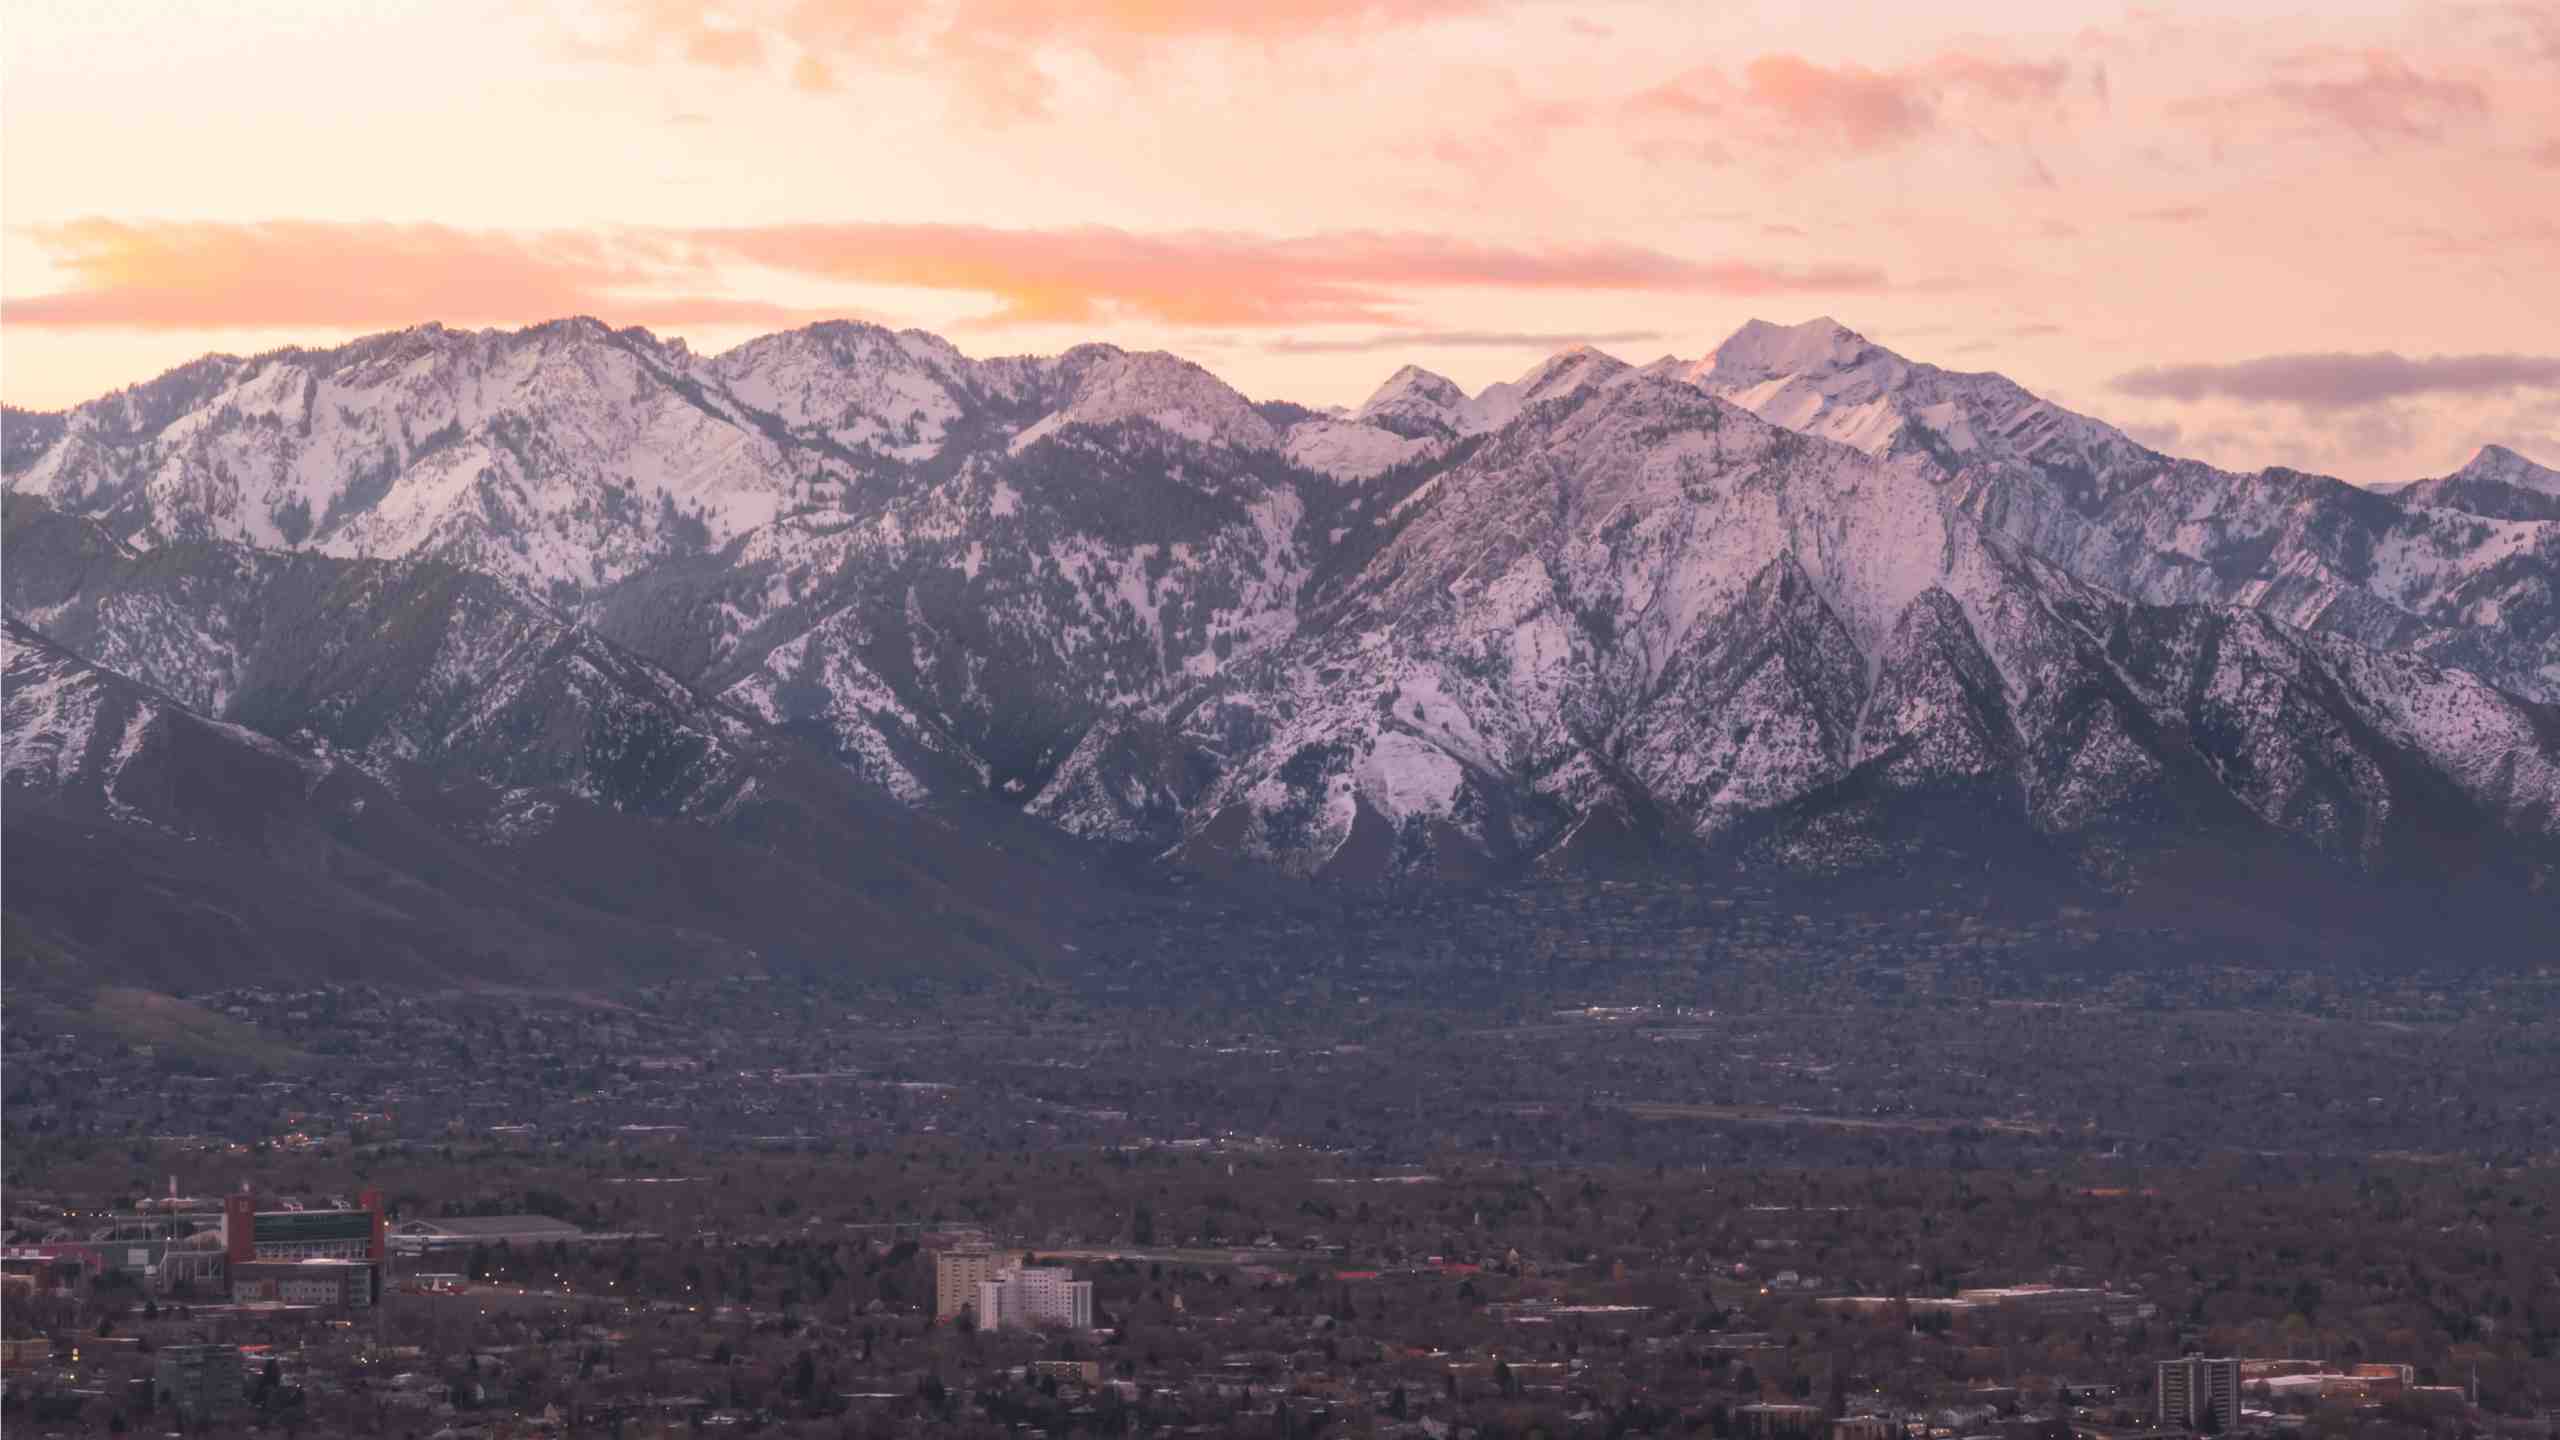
[1761,349]
[1417,404]
[2500,465]
[1412,385]
[1568,371]
[2497,484]
[1822,378]
[858,386]
[1164,390]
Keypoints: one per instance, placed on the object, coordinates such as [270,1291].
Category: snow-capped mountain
[1762,601]
[2498,483]
[1645,605]
[385,662]
[2469,589]
[175,850]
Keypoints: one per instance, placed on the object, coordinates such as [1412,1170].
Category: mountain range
[850,610]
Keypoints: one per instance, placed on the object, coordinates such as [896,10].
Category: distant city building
[957,1274]
[1083,1372]
[199,1380]
[461,1232]
[2195,1390]
[1775,1420]
[333,1284]
[1027,1297]
[329,1258]
[249,1233]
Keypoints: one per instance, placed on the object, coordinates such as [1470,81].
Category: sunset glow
[2244,237]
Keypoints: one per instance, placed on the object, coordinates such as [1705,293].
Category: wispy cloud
[2371,95]
[172,275]
[2342,381]
[997,51]
[1847,107]
[199,276]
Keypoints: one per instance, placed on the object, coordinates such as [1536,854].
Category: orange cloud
[170,275]
[321,275]
[995,48]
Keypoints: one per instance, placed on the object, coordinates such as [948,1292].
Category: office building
[2197,1393]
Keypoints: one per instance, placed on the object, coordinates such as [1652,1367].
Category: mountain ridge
[1755,605]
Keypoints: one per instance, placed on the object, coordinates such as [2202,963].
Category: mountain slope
[2498,483]
[848,592]
[158,847]
[1642,605]
[2479,590]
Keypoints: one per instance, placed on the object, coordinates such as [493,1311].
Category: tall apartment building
[957,1274]
[1025,1298]
[2195,1390]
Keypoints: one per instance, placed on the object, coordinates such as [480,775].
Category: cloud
[1461,339]
[2342,381]
[2372,95]
[2010,82]
[996,50]
[1851,108]
[167,275]
[171,275]
[2162,435]
[1858,108]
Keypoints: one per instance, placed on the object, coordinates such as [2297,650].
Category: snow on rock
[1350,449]
[1800,577]
[1165,391]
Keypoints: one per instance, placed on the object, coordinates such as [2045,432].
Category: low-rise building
[461,1232]
[329,1283]
[198,1380]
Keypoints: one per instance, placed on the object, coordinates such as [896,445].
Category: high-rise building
[1026,1298]
[2196,1391]
[957,1274]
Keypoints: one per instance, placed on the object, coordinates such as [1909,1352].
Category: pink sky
[2321,237]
